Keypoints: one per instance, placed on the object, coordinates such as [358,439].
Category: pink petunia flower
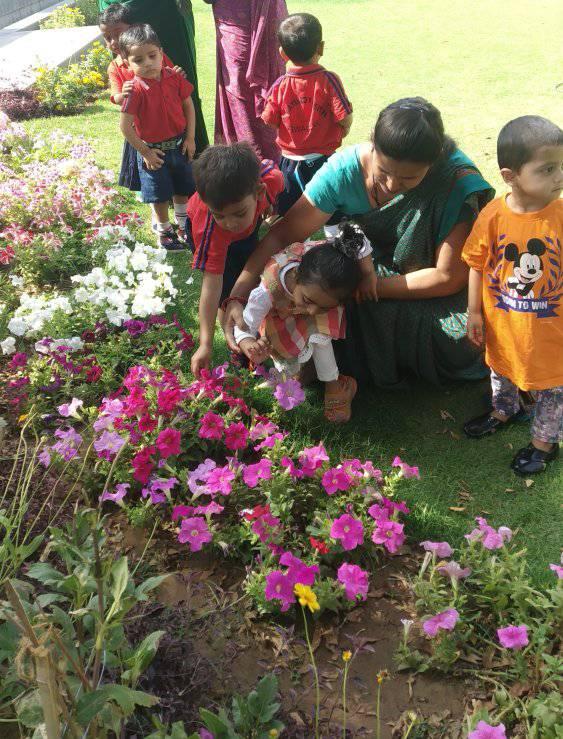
[355,581]
[484,730]
[453,570]
[349,531]
[108,444]
[147,424]
[212,426]
[236,436]
[558,569]
[143,464]
[168,442]
[168,399]
[44,457]
[290,466]
[379,512]
[70,409]
[406,470]
[252,473]
[220,479]
[390,534]
[445,620]
[489,537]
[289,394]
[311,458]
[335,479]
[279,587]
[298,571]
[440,548]
[118,495]
[195,532]
[513,637]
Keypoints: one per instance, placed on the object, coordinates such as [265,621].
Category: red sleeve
[186,88]
[339,103]
[272,177]
[271,113]
[210,245]
[115,81]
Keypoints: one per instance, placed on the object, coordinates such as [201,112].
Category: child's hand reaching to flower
[127,87]
[257,350]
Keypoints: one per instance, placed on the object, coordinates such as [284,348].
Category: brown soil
[217,646]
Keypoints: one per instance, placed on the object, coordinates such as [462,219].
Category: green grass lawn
[482,63]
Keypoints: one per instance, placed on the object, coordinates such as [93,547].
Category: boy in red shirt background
[234,192]
[158,120]
[308,106]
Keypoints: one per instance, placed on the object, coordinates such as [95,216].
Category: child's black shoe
[486,424]
[169,240]
[530,460]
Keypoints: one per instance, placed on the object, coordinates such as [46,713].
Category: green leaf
[149,584]
[261,701]
[120,578]
[45,573]
[29,710]
[90,704]
[219,725]
[142,657]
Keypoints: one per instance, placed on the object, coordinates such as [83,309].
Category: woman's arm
[449,275]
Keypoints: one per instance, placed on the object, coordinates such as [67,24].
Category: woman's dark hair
[140,33]
[334,265]
[226,173]
[299,36]
[411,130]
[115,14]
[520,138]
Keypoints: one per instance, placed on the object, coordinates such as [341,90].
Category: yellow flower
[347,655]
[22,418]
[273,732]
[306,597]
[382,676]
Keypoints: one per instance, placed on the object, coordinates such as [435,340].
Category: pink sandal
[338,405]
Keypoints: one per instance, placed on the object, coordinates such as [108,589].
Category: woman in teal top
[416,196]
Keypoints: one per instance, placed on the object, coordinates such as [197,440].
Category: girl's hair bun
[350,239]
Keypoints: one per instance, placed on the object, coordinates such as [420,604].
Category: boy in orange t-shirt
[515,256]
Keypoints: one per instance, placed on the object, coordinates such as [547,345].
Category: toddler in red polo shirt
[308,106]
[158,120]
[234,192]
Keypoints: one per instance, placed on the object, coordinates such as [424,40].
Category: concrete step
[31,22]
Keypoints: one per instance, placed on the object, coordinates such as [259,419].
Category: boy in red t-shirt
[158,120]
[308,106]
[234,192]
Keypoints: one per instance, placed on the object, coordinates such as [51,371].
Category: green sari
[388,339]
[173,22]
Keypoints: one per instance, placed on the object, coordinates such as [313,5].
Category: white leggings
[324,359]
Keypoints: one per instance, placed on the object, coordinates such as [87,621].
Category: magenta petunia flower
[279,587]
[212,426]
[195,532]
[236,436]
[558,569]
[349,531]
[19,359]
[168,442]
[108,444]
[311,458]
[119,493]
[379,512]
[406,470]
[298,571]
[262,429]
[219,480]
[292,469]
[445,620]
[513,637]
[168,399]
[355,581]
[335,479]
[454,570]
[289,394]
[252,473]
[143,464]
[440,548]
[484,730]
[390,534]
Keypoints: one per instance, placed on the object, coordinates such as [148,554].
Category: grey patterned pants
[548,412]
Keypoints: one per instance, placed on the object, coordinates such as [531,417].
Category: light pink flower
[440,548]
[454,570]
[219,480]
[120,492]
[513,637]
[406,470]
[252,473]
[484,730]
[195,532]
[558,569]
[71,409]
[390,534]
[289,394]
[489,537]
[445,620]
[212,426]
[349,531]
[108,444]
[355,581]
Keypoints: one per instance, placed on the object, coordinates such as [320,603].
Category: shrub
[65,16]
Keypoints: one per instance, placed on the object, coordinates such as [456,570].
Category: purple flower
[67,446]
[279,587]
[390,534]
[252,473]
[488,536]
[445,620]
[289,394]
[355,581]
[440,548]
[348,530]
[336,478]
[120,492]
[453,570]
[108,444]
[71,409]
[558,569]
[195,532]
[486,731]
[406,470]
[44,457]
[204,734]
[134,327]
[513,637]
[298,571]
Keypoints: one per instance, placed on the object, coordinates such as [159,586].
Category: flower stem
[377,712]
[345,678]
[316,674]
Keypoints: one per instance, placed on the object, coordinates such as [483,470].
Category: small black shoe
[486,424]
[530,460]
[169,240]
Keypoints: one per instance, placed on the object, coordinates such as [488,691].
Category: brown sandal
[338,405]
